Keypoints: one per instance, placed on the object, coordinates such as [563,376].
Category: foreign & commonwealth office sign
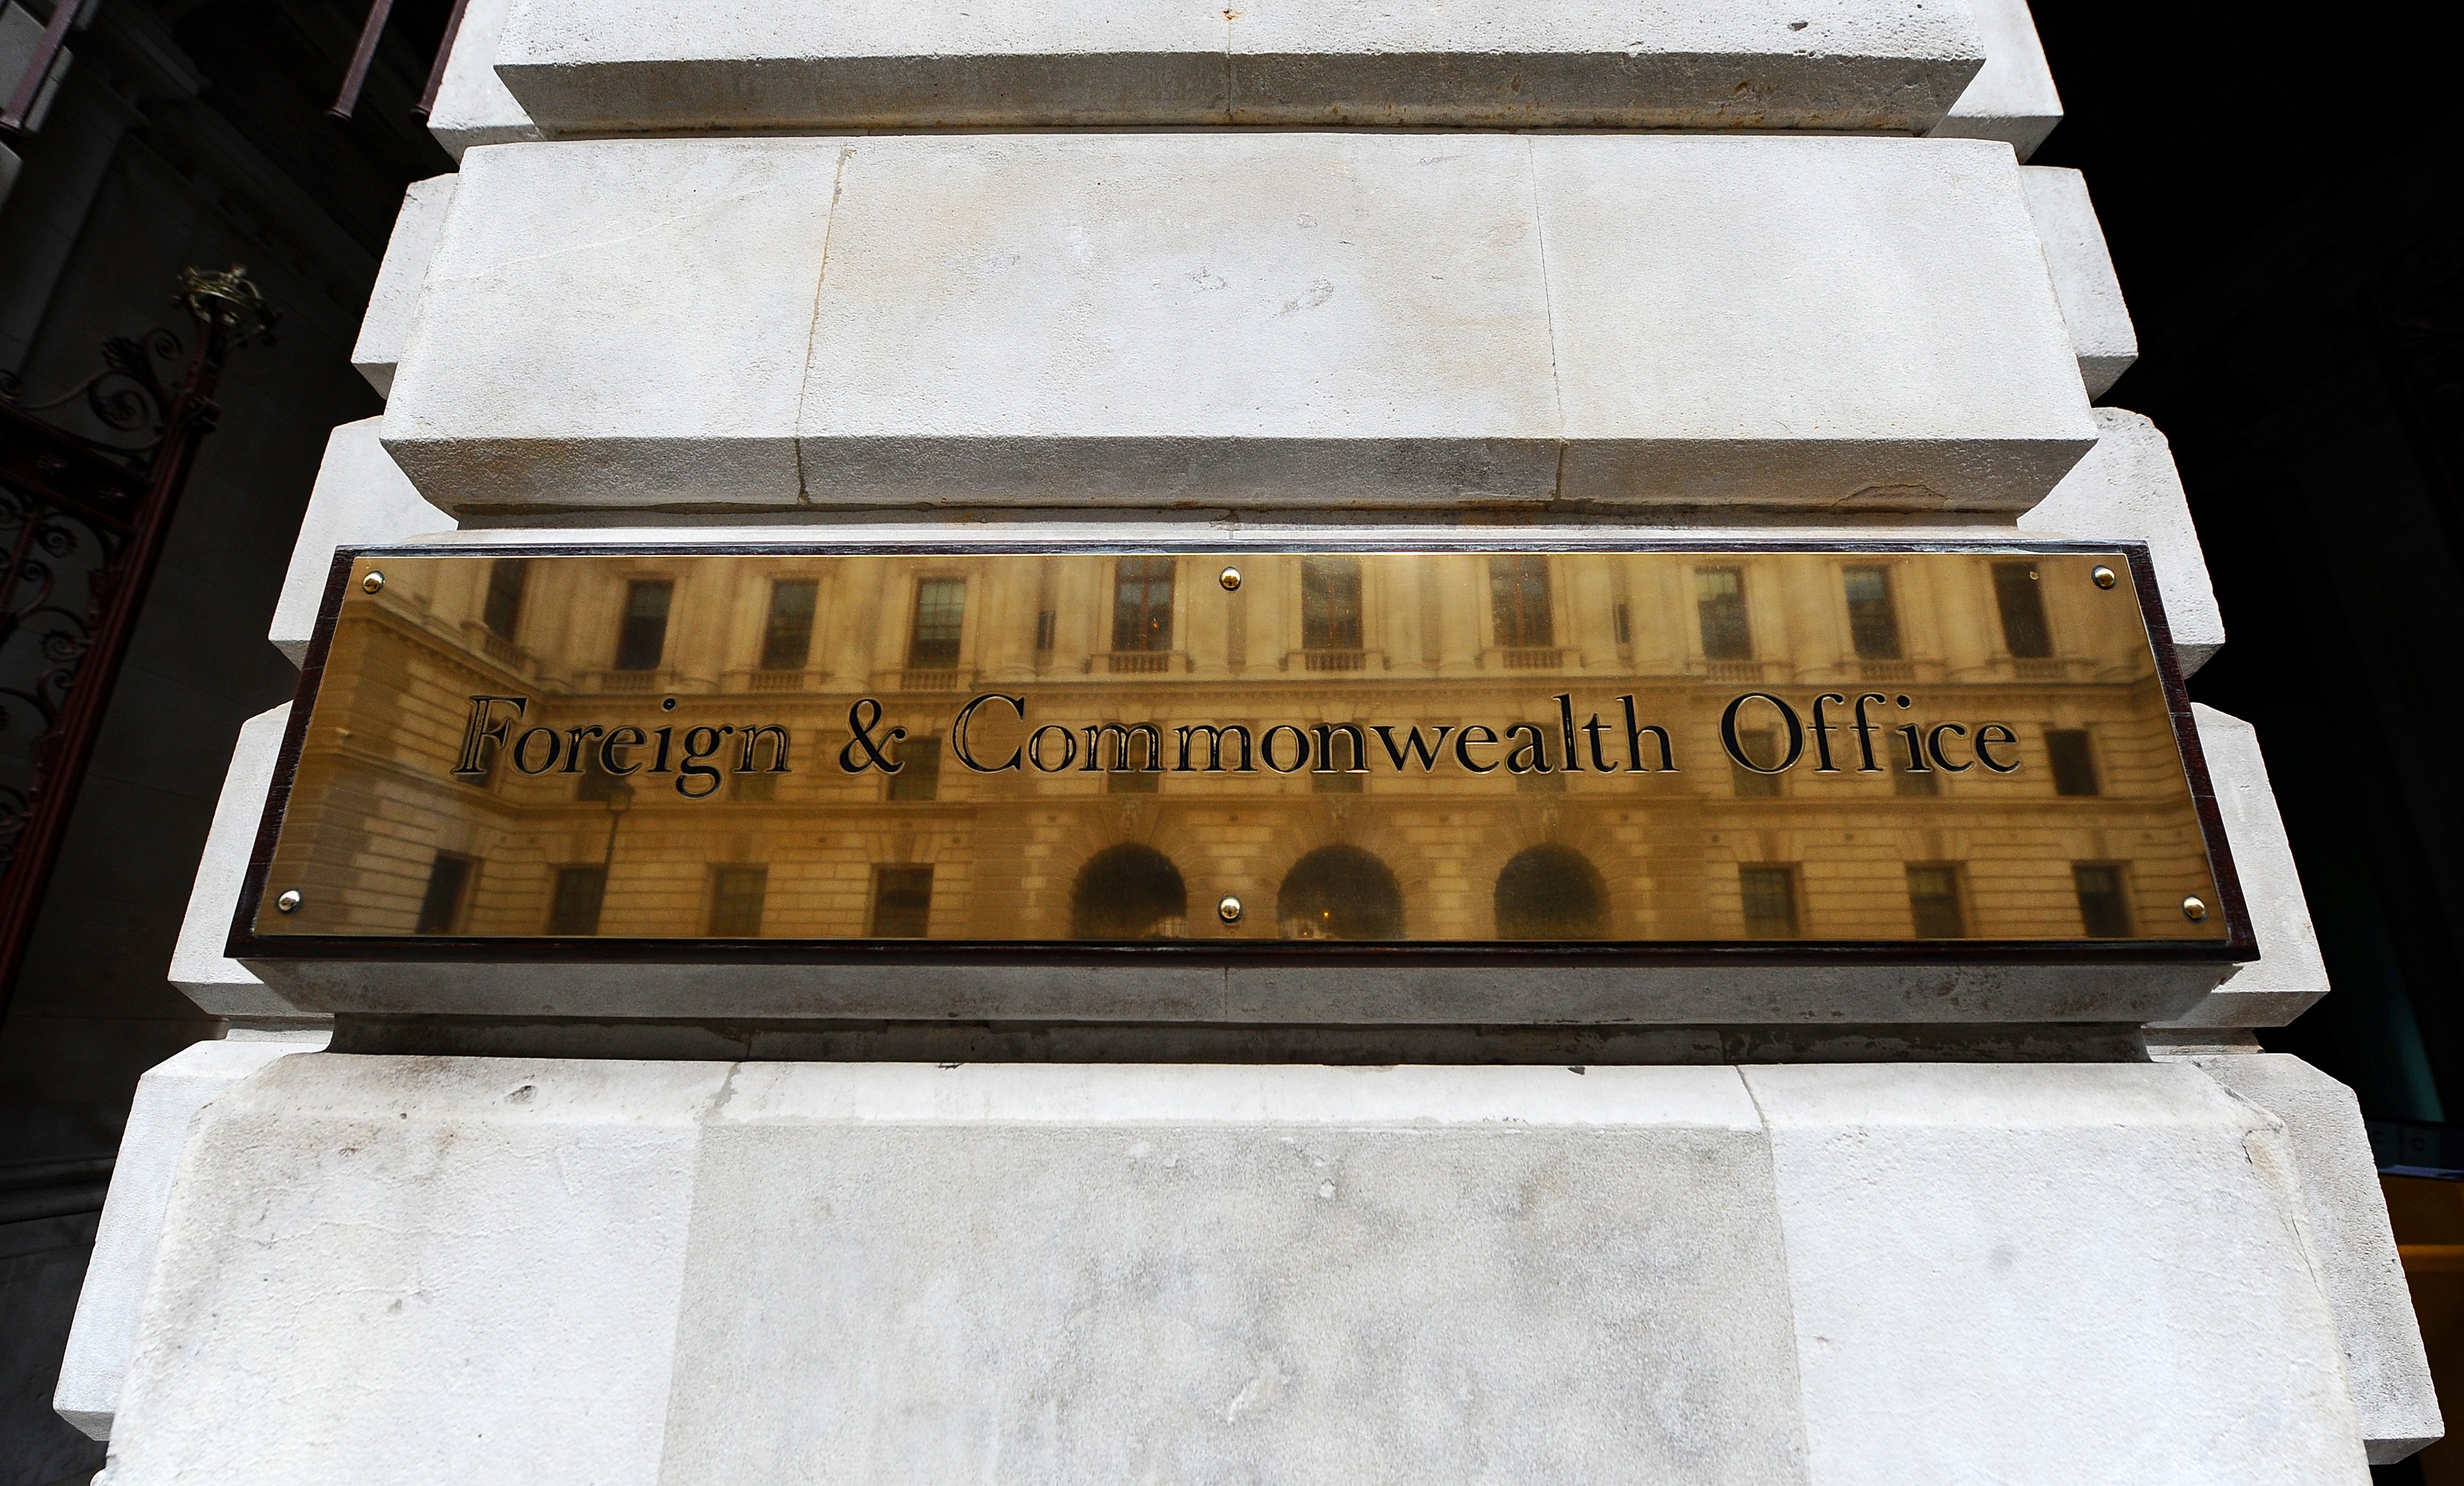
[810,754]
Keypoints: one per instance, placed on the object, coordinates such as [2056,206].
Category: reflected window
[1907,780]
[1344,770]
[643,639]
[2020,595]
[940,609]
[754,785]
[787,639]
[1329,602]
[1624,625]
[1046,621]
[1873,618]
[1142,603]
[919,769]
[506,578]
[573,905]
[1128,892]
[1138,762]
[1761,745]
[1935,900]
[2103,899]
[596,782]
[1547,775]
[736,895]
[1518,601]
[1720,602]
[1340,892]
[440,907]
[902,902]
[2073,760]
[1768,894]
[1551,892]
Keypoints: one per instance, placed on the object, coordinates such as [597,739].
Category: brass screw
[1228,910]
[2195,909]
[288,903]
[373,581]
[1231,580]
[2105,577]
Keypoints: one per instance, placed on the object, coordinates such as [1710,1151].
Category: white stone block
[1157,317]
[2290,975]
[1842,324]
[2084,276]
[2052,1274]
[388,1270]
[472,106]
[396,294]
[2383,1361]
[2127,487]
[1207,1274]
[361,497]
[167,1099]
[455,1273]
[220,985]
[611,66]
[1281,320]
[681,271]
[2012,98]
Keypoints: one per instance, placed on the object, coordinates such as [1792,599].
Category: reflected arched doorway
[1128,892]
[1339,892]
[1552,892]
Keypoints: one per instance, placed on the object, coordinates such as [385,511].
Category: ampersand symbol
[861,720]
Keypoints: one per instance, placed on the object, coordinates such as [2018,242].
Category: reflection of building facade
[2087,831]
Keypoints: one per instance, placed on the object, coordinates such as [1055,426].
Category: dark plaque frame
[2239,944]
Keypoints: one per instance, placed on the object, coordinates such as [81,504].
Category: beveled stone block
[1831,323]
[617,323]
[585,66]
[1214,1273]
[396,294]
[94,1362]
[471,104]
[2128,487]
[2383,1362]
[2290,975]
[2083,278]
[219,984]
[2013,97]
[397,1269]
[1985,1259]
[458,1276]
[1279,318]
[1254,321]
[361,497]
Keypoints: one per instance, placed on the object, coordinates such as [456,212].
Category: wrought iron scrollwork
[126,397]
[129,394]
[82,521]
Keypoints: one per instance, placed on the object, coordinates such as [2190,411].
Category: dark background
[2281,189]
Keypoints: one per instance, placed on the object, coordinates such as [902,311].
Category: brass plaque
[1609,752]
